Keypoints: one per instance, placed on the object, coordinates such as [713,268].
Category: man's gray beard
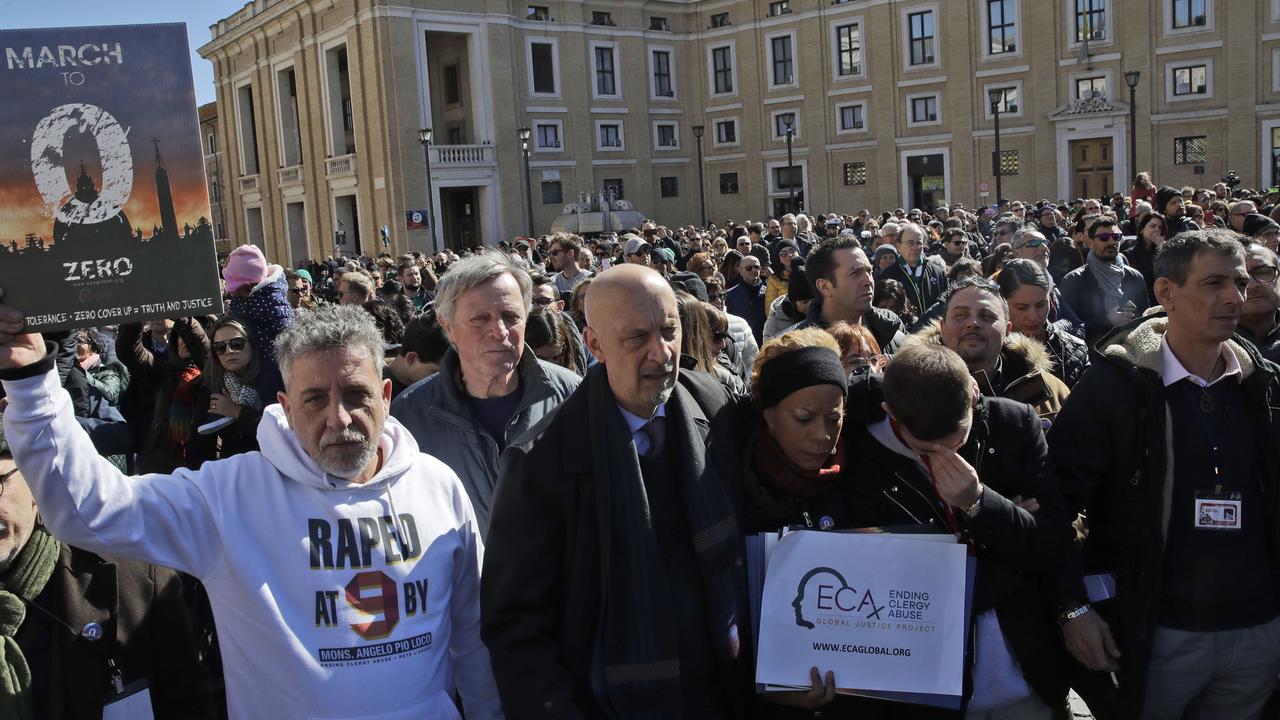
[662,396]
[348,468]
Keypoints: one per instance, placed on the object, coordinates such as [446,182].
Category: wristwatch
[972,509]
[1068,614]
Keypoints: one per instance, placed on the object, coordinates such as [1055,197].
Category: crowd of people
[517,480]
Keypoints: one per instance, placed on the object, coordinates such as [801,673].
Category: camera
[1231,180]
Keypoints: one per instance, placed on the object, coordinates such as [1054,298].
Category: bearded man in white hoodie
[341,563]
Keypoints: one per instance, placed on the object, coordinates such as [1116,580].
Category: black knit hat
[1164,195]
[798,288]
[1255,224]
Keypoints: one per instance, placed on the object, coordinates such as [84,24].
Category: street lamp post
[424,137]
[702,195]
[791,172]
[528,183]
[1131,79]
[996,96]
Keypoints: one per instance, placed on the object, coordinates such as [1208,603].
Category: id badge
[1218,512]
[133,703]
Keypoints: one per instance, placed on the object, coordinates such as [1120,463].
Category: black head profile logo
[798,603]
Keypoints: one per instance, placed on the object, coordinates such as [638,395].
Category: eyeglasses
[1108,237]
[6,476]
[868,363]
[1265,274]
[235,343]
[543,301]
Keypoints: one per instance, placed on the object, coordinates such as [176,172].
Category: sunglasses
[1108,237]
[1031,244]
[751,268]
[296,291]
[235,343]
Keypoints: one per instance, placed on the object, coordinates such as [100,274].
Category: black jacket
[1110,444]
[541,593]
[1268,345]
[1081,291]
[1069,353]
[884,325]
[144,625]
[925,290]
[1018,554]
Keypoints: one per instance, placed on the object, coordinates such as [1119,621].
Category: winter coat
[1142,259]
[144,622]
[1018,554]
[436,412]
[158,452]
[748,303]
[266,309]
[1081,291]
[779,320]
[110,378]
[1112,445]
[922,291]
[776,287]
[745,345]
[1268,345]
[1024,373]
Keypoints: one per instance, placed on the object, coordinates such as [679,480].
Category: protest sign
[885,612]
[104,213]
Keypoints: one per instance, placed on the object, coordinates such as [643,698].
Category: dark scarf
[636,665]
[21,583]
[778,472]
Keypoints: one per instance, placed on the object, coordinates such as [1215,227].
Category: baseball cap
[634,245]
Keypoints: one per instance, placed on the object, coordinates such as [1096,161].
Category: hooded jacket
[779,320]
[1025,372]
[267,309]
[1120,471]
[333,599]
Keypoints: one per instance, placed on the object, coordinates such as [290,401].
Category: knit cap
[246,266]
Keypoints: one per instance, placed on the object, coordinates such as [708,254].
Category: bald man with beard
[588,602]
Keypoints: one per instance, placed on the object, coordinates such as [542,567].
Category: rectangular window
[1188,13]
[544,69]
[548,136]
[662,74]
[666,136]
[728,183]
[1191,80]
[670,186]
[213,144]
[726,132]
[850,117]
[552,193]
[848,50]
[785,178]
[613,186]
[720,20]
[1091,87]
[1091,20]
[1001,37]
[1008,99]
[1008,162]
[610,135]
[855,173]
[780,7]
[601,18]
[722,69]
[783,63]
[659,24]
[783,122]
[1190,150]
[540,13]
[924,109]
[606,82]
[922,36]
[452,85]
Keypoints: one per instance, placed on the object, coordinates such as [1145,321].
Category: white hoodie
[332,600]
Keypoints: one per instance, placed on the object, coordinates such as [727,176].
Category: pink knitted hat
[246,266]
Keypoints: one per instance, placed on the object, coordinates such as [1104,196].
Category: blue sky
[197,14]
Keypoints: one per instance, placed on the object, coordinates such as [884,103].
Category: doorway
[1092,167]
[460,217]
[927,181]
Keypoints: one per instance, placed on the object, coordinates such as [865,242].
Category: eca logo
[816,595]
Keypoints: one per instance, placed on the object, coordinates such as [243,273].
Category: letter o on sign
[51,175]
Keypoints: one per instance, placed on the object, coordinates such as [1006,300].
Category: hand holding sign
[820,693]
[17,348]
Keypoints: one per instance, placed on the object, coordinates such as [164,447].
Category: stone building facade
[322,101]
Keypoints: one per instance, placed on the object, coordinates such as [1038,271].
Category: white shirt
[636,424]
[1173,371]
